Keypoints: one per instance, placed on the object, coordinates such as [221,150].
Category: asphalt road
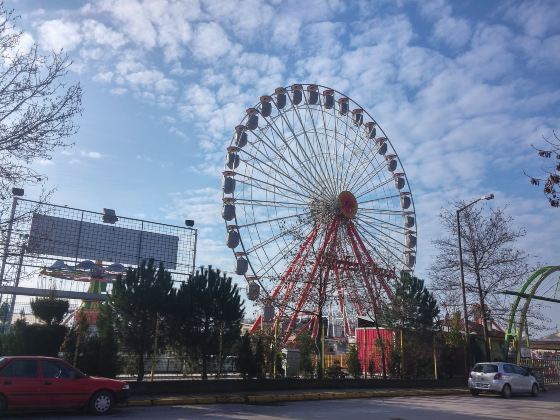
[546,406]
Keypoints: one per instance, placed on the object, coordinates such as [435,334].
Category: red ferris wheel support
[317,269]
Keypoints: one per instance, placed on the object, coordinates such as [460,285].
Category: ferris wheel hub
[347,204]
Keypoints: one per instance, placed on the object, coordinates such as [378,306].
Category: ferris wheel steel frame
[334,255]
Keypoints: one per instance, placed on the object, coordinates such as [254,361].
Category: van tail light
[498,375]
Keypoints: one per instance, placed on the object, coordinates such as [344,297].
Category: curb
[272,398]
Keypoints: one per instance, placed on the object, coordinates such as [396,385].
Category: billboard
[58,236]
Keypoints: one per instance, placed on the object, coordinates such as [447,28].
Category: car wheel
[101,403]
[506,391]
[474,392]
[535,390]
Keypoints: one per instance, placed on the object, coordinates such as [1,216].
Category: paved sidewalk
[267,397]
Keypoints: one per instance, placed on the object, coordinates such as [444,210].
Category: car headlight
[126,386]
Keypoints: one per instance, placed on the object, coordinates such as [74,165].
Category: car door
[21,384]
[512,378]
[525,381]
[61,385]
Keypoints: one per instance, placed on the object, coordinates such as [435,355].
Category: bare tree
[551,173]
[490,259]
[37,108]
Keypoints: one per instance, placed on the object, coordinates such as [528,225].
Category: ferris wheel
[318,208]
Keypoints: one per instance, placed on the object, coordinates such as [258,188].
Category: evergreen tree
[109,365]
[49,309]
[139,301]
[353,362]
[304,345]
[246,359]
[217,313]
[334,371]
[259,358]
[412,314]
[180,320]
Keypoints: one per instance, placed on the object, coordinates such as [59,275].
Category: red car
[35,382]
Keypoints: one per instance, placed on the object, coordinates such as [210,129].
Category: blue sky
[461,88]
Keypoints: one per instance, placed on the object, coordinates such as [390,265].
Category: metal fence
[46,247]
[549,368]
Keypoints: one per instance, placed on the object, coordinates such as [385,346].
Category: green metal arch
[514,330]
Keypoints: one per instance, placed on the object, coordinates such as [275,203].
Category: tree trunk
[140,367]
[204,367]
[319,344]
[483,313]
[220,350]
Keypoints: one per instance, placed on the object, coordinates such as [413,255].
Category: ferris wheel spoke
[330,176]
[345,182]
[365,233]
[345,138]
[382,257]
[257,185]
[320,177]
[274,220]
[371,225]
[378,199]
[279,183]
[383,223]
[278,169]
[270,145]
[375,187]
[275,260]
[382,211]
[307,168]
[400,231]
[360,176]
[363,180]
[265,203]
[312,147]
[274,238]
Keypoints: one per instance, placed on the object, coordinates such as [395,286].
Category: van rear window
[486,368]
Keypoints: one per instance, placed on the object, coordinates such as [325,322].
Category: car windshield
[485,368]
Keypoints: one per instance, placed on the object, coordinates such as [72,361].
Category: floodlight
[18,192]
[189,223]
[109,216]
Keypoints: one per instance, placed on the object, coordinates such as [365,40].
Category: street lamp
[465,314]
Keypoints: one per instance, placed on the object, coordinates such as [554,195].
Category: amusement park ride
[318,209]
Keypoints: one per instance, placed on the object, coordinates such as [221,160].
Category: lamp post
[465,313]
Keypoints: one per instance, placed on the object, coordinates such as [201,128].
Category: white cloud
[134,20]
[45,162]
[452,31]
[537,18]
[210,41]
[56,34]
[91,154]
[101,34]
[203,205]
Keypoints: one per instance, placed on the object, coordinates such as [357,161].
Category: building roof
[551,337]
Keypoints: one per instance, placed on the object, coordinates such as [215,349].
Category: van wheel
[101,403]
[474,392]
[535,390]
[506,391]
